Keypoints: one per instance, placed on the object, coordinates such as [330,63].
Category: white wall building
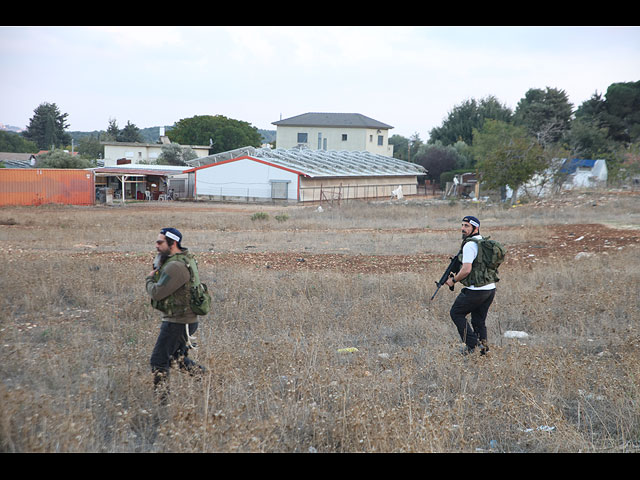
[140,152]
[334,131]
[300,175]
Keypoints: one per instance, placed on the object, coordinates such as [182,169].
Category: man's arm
[469,253]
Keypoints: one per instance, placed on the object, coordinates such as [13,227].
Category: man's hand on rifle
[449,283]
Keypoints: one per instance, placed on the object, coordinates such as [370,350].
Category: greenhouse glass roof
[332,163]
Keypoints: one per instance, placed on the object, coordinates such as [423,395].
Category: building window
[302,138]
[380,140]
[370,138]
[279,189]
[344,137]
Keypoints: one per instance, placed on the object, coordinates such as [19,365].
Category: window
[302,138]
[344,137]
[380,140]
[279,189]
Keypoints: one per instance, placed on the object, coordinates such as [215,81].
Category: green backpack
[493,253]
[200,301]
[485,267]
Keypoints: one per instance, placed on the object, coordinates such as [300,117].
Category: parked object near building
[38,186]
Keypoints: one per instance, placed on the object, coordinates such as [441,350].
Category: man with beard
[478,292]
[168,285]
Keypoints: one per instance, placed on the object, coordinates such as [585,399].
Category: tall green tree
[130,133]
[623,111]
[112,131]
[507,155]
[47,127]
[218,131]
[546,114]
[470,114]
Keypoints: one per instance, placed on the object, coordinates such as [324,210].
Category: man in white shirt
[476,295]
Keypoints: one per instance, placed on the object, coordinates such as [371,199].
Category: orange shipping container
[27,186]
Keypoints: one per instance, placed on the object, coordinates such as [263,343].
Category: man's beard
[159,260]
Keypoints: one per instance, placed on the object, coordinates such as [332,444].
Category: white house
[116,153]
[574,173]
[334,131]
[140,152]
[584,173]
[302,175]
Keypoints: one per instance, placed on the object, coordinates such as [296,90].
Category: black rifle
[452,269]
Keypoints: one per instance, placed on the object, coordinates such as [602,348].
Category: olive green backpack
[200,301]
[485,268]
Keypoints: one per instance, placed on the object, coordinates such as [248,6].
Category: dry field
[322,337]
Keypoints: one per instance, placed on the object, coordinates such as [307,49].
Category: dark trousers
[476,303]
[171,346]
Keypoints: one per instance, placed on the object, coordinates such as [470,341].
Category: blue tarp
[570,166]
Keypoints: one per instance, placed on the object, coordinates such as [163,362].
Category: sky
[408,77]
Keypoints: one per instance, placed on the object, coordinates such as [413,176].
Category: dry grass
[77,332]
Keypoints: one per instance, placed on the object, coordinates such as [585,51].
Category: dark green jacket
[169,289]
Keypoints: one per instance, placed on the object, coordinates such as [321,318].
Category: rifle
[452,269]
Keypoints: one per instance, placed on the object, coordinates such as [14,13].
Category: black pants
[171,346]
[477,303]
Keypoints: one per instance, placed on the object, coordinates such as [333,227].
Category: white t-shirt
[469,254]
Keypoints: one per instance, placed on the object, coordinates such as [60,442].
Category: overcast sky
[407,77]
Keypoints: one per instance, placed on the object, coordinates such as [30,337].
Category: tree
[470,114]
[546,114]
[90,147]
[587,140]
[13,142]
[62,159]
[400,146]
[623,111]
[130,133]
[112,131]
[506,155]
[437,159]
[218,131]
[174,154]
[47,127]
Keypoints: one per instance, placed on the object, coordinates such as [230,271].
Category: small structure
[302,175]
[565,174]
[463,185]
[143,182]
[584,173]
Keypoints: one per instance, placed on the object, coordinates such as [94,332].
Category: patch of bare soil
[564,241]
